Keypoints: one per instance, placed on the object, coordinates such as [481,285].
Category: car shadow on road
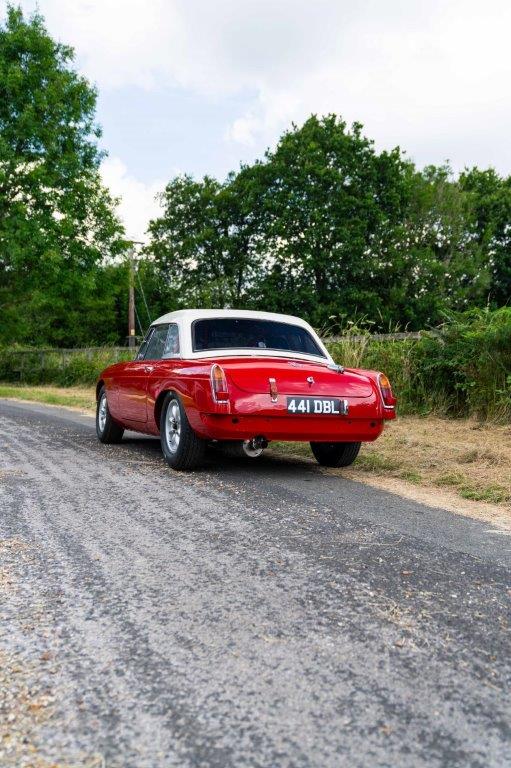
[218,461]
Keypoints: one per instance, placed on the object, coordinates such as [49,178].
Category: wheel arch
[158,404]
[99,385]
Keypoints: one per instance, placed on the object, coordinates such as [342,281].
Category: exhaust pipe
[255,446]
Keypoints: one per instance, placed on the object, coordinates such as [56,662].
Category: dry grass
[452,458]
[472,458]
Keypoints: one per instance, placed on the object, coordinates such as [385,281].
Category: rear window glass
[248,333]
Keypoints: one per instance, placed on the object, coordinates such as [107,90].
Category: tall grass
[460,369]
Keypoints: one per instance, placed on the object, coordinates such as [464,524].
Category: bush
[470,363]
[461,369]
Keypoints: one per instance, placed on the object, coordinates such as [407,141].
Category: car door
[134,377]
[161,369]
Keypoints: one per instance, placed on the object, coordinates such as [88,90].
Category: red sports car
[241,379]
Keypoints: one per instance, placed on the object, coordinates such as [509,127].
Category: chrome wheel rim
[102,413]
[173,426]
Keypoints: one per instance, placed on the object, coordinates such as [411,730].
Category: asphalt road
[250,614]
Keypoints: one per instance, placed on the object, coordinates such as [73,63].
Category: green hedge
[461,369]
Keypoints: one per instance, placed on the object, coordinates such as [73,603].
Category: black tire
[106,428]
[181,447]
[335,454]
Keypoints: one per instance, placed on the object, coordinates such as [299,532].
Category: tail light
[389,401]
[274,393]
[219,387]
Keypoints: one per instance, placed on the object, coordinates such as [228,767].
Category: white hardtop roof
[189,315]
[185,317]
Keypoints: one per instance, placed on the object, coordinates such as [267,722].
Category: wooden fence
[404,336]
[20,361]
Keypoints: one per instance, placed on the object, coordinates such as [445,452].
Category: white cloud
[244,130]
[118,42]
[138,202]
[431,76]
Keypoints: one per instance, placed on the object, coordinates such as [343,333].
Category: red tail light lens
[274,394]
[219,387]
[389,401]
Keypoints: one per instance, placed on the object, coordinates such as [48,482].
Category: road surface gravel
[262,613]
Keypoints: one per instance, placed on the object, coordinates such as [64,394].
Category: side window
[156,343]
[142,349]
[172,343]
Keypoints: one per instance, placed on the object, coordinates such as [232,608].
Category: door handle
[148,368]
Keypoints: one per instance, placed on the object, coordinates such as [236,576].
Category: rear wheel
[106,429]
[181,447]
[335,454]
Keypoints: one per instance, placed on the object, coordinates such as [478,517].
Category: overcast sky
[198,86]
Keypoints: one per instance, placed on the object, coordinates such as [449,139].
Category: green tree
[185,241]
[56,219]
[330,206]
[301,231]
[490,197]
[326,227]
[204,243]
[435,264]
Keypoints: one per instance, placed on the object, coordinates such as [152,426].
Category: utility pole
[132,338]
[132,333]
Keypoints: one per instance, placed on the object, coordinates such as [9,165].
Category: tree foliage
[490,201]
[326,227]
[56,220]
[205,243]
[330,204]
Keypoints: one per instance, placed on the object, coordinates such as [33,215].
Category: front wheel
[335,454]
[106,429]
[181,447]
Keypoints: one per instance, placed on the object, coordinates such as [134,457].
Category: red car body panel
[135,391]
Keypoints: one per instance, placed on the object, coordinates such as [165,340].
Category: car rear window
[248,333]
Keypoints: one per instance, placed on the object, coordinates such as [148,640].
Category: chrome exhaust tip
[255,446]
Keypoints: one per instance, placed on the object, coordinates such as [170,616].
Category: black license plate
[317,406]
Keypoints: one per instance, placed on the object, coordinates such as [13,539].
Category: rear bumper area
[289,428]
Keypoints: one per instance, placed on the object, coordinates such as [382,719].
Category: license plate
[317,406]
